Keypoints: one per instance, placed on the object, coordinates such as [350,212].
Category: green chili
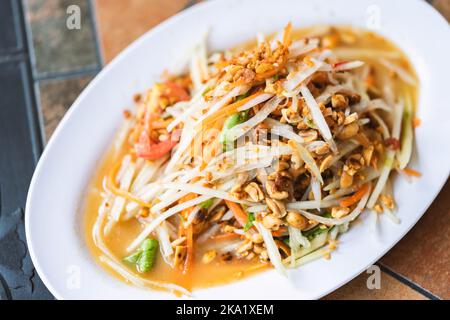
[229,123]
[148,256]
[314,232]
[206,204]
[133,258]
[242,96]
[310,123]
[145,257]
[250,219]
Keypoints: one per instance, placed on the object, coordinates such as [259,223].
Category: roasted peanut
[271,222]
[349,131]
[346,180]
[257,238]
[330,41]
[296,220]
[351,118]
[339,101]
[264,256]
[325,164]
[279,185]
[248,245]
[254,191]
[339,212]
[277,207]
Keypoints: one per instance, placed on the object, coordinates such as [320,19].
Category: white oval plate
[53,217]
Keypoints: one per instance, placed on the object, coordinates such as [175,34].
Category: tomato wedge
[147,149]
[177,91]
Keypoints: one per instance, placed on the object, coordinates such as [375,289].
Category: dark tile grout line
[32,62]
[34,114]
[6,289]
[28,38]
[89,70]
[18,25]
[404,280]
[94,22]
[6,57]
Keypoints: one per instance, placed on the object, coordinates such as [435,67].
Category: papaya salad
[253,158]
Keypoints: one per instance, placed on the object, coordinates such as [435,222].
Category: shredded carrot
[239,214]
[185,212]
[355,197]
[190,249]
[230,109]
[221,64]
[270,73]
[136,133]
[111,185]
[308,61]
[177,91]
[226,236]
[416,122]
[280,232]
[181,230]
[412,172]
[189,232]
[162,124]
[283,247]
[203,165]
[370,80]
[287,34]
[189,196]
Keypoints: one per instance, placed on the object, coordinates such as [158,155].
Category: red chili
[392,143]
[337,64]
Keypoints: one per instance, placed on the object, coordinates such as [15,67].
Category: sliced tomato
[177,91]
[147,149]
